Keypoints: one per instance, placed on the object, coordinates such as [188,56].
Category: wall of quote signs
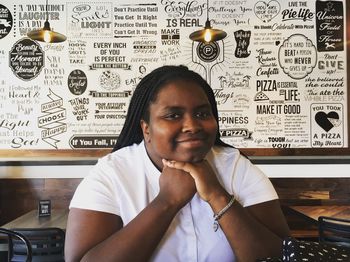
[279,76]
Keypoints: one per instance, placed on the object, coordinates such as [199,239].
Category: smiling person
[171,190]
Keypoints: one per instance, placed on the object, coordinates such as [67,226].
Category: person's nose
[191,124]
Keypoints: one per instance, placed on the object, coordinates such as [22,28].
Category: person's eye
[172,116]
[203,114]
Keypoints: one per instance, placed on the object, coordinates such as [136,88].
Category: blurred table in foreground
[303,220]
[58,218]
[313,212]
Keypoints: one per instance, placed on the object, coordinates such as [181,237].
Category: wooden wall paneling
[16,195]
[313,191]
[60,191]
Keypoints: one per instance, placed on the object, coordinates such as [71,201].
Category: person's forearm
[139,238]
[248,238]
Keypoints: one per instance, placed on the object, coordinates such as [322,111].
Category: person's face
[181,124]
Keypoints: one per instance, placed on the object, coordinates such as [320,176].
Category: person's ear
[145,130]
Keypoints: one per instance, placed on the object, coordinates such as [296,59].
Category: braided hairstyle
[146,93]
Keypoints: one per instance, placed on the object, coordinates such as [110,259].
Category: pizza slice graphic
[260,96]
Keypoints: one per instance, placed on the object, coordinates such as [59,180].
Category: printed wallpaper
[279,76]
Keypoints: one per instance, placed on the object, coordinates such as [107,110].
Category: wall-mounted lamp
[45,34]
[208,34]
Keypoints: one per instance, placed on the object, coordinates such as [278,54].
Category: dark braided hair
[146,92]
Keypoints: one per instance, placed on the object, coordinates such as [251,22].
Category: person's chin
[191,152]
[192,157]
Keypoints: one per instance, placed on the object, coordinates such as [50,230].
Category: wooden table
[58,219]
[308,230]
[31,219]
[313,212]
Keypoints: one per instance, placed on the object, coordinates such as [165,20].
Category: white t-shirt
[126,181]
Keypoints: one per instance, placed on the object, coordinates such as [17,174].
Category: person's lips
[193,141]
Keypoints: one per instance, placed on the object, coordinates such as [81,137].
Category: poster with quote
[279,76]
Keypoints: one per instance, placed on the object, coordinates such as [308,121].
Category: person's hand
[207,184]
[177,187]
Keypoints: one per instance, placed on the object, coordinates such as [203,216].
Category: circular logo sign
[5,21]
[208,52]
[26,59]
[77,82]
